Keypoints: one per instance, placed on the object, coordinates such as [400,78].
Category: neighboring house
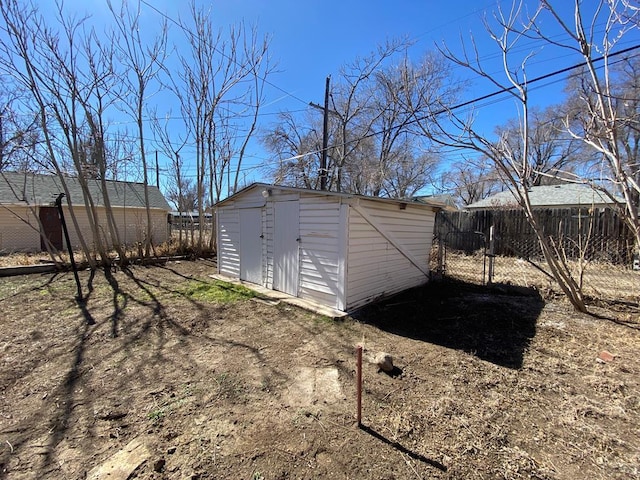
[338,250]
[571,213]
[567,195]
[27,211]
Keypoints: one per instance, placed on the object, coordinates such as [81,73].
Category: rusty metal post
[359,382]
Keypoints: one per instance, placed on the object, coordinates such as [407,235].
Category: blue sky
[311,39]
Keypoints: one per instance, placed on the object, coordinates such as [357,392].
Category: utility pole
[325,137]
[157,171]
[325,134]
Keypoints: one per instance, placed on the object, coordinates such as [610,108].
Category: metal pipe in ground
[58,204]
[359,384]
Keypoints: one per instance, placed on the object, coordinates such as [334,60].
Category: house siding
[131,224]
[19,229]
[375,266]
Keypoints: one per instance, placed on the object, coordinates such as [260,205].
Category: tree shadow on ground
[401,448]
[494,323]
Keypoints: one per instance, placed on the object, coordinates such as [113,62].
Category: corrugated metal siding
[228,221]
[319,249]
[229,242]
[19,230]
[375,267]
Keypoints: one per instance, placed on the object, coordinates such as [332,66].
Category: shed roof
[445,201]
[548,196]
[36,189]
[326,193]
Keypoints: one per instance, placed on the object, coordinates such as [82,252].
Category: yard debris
[384,361]
[605,357]
[122,465]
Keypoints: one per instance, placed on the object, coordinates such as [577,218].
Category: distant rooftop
[548,196]
[35,189]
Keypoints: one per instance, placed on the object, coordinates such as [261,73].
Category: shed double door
[286,232]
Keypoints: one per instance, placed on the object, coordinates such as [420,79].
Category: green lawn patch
[217,292]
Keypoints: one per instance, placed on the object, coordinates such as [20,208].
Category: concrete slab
[314,385]
[274,297]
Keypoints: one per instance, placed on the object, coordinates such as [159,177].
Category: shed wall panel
[229,242]
[376,267]
[319,249]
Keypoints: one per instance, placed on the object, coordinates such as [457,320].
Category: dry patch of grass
[601,281]
[491,383]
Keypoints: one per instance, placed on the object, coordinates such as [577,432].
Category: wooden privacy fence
[592,234]
[597,242]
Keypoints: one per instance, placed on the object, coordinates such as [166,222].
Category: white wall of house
[131,224]
[20,230]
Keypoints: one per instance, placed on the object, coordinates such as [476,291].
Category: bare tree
[514,160]
[19,132]
[353,115]
[297,149]
[470,180]
[554,153]
[45,57]
[220,89]
[608,122]
[143,62]
[409,173]
[373,147]
[180,190]
[407,91]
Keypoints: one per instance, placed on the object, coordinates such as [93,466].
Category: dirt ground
[163,374]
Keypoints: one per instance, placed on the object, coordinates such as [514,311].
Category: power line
[479,99]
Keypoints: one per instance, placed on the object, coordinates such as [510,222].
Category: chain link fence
[602,263]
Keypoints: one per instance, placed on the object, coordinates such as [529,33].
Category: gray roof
[34,189]
[548,196]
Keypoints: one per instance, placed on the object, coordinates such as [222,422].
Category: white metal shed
[339,250]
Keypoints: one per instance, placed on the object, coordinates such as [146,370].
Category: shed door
[285,248]
[251,245]
[51,227]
